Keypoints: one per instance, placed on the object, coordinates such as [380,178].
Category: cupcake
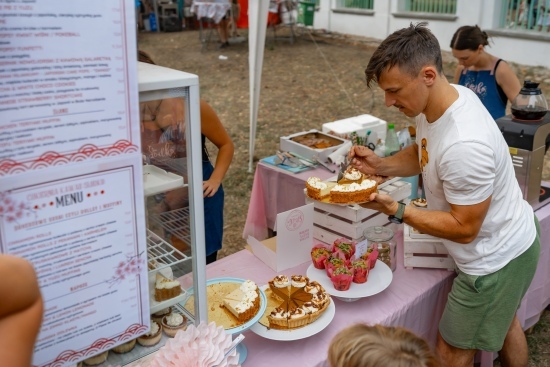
[371,256]
[157,316]
[319,254]
[333,262]
[173,323]
[343,248]
[97,359]
[360,270]
[152,337]
[126,347]
[341,278]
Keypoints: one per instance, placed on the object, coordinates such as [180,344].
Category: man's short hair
[410,49]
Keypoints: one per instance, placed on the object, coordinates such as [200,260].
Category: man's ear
[429,74]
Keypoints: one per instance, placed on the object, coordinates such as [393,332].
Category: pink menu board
[67,76]
[71,180]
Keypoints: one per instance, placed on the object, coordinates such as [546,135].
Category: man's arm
[460,224]
[403,164]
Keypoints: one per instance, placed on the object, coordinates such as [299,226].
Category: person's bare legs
[222,31]
[514,352]
[454,357]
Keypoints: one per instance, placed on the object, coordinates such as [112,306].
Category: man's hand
[382,203]
[364,159]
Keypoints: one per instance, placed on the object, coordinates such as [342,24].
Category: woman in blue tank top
[494,81]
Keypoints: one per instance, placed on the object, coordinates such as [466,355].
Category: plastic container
[306,12]
[392,141]
[382,238]
[153,22]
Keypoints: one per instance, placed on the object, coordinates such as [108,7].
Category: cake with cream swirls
[354,187]
[243,302]
[296,302]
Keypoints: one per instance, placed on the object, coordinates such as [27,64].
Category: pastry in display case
[172,178]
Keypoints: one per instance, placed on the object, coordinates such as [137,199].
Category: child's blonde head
[379,346]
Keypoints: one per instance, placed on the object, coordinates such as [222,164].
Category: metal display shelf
[175,222]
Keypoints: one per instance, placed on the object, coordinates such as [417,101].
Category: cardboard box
[289,143]
[360,124]
[292,245]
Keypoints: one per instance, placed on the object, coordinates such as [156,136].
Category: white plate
[379,279]
[300,333]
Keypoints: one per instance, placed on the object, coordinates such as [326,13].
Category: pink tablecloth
[275,191]
[414,300]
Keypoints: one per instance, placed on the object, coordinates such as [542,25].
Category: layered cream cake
[166,288]
[243,302]
[353,188]
[297,302]
[354,192]
[317,189]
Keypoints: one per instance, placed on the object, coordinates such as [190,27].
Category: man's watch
[398,216]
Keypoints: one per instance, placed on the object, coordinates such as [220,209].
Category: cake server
[233,345]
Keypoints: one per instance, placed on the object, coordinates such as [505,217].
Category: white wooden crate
[331,222]
[425,251]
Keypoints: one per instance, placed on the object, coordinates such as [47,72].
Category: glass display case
[172,176]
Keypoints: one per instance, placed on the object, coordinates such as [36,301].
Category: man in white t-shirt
[475,203]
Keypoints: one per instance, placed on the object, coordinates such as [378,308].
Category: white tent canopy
[257,26]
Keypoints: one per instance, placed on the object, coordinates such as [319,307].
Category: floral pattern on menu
[131,267]
[11,210]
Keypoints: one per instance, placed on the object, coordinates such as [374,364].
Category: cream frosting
[154,329]
[366,184]
[313,288]
[279,313]
[281,281]
[248,286]
[298,281]
[352,174]
[297,313]
[174,320]
[317,183]
[310,307]
[166,284]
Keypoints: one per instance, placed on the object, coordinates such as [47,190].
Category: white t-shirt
[464,160]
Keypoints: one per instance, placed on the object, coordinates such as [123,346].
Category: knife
[291,158]
[324,165]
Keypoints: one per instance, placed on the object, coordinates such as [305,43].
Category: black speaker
[170,23]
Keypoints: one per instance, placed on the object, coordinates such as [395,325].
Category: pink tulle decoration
[201,346]
[319,254]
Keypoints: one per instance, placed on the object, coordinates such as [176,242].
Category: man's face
[403,91]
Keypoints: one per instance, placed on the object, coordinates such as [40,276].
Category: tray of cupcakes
[164,325]
[345,275]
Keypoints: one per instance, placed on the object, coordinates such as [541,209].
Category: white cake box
[424,251]
[360,124]
[331,222]
[289,144]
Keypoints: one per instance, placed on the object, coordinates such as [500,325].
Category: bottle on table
[392,142]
